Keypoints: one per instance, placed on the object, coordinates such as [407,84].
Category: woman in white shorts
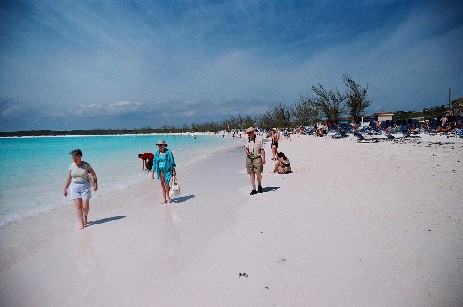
[78,182]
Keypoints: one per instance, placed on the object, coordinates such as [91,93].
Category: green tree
[435,111]
[238,122]
[306,111]
[278,116]
[331,104]
[247,121]
[356,97]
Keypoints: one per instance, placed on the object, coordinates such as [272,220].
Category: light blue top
[162,162]
[169,163]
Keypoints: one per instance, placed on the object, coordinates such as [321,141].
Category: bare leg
[167,189]
[85,210]
[274,152]
[163,187]
[277,166]
[259,180]
[252,177]
[78,204]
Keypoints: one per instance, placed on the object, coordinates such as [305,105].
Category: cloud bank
[123,64]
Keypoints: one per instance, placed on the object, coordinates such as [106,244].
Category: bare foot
[164,202]
[81,227]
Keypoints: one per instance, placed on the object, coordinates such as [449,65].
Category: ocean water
[33,170]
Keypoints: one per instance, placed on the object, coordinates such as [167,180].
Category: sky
[68,65]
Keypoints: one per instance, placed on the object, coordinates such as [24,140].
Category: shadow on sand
[105,220]
[269,189]
[182,199]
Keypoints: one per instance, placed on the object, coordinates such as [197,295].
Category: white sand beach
[355,224]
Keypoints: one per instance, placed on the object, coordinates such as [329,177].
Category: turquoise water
[33,170]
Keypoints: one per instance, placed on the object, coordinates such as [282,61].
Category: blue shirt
[166,161]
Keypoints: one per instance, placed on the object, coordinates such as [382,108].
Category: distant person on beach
[164,167]
[78,182]
[444,126]
[275,135]
[255,159]
[426,124]
[283,166]
[147,160]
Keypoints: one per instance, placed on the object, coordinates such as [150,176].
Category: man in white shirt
[255,159]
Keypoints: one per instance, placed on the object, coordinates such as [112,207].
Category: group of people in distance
[446,126]
[81,176]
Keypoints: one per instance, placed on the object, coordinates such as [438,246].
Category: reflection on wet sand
[172,220]
[87,265]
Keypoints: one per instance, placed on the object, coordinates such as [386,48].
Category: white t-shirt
[79,173]
[254,146]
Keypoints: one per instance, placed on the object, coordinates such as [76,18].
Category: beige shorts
[254,165]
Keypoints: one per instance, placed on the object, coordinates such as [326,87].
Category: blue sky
[122,64]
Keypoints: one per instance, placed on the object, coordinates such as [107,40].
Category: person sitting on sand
[283,166]
[321,131]
[444,126]
[426,124]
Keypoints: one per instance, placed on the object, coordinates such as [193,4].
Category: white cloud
[110,109]
[188,60]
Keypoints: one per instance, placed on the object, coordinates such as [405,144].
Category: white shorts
[80,190]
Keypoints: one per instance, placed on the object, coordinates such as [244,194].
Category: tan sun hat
[161,142]
[250,129]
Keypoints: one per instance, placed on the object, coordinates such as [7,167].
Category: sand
[355,224]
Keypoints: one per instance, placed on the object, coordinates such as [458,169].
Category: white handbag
[175,187]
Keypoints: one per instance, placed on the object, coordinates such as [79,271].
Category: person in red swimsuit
[147,160]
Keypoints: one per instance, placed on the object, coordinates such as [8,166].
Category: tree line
[319,105]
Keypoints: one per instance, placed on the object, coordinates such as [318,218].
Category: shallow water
[33,170]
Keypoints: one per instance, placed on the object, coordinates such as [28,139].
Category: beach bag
[175,188]
[89,176]
[91,180]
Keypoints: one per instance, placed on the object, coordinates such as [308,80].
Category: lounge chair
[390,137]
[407,135]
[362,139]
[339,134]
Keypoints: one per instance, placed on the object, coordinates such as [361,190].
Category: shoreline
[354,224]
[11,217]
[120,134]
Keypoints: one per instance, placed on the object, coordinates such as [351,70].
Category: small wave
[10,217]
